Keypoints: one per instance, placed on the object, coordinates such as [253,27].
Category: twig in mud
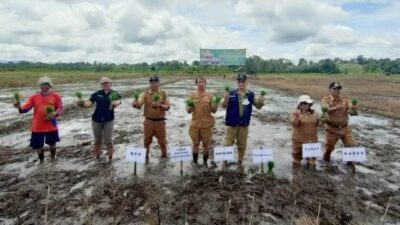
[47,205]
[387,208]
[227,211]
[252,208]
[16,209]
[158,213]
[366,213]
[113,207]
[89,221]
[134,168]
[319,209]
[294,207]
[262,168]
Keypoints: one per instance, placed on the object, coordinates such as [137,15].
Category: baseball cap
[335,85]
[154,78]
[241,76]
[105,80]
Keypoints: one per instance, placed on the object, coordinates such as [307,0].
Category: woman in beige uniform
[305,122]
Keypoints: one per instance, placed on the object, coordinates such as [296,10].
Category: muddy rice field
[78,189]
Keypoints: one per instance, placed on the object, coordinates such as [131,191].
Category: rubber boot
[163,151]
[110,152]
[327,156]
[52,153]
[41,156]
[195,157]
[205,158]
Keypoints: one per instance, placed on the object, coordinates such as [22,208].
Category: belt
[154,119]
[338,126]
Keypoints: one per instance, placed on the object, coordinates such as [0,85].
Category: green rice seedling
[216,99]
[263,93]
[189,102]
[227,88]
[156,97]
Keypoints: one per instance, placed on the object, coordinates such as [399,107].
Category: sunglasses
[241,81]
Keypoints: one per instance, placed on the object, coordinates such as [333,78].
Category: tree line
[254,64]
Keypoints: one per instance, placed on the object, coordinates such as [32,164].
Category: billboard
[223,57]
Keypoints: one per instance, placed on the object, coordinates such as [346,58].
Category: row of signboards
[260,155]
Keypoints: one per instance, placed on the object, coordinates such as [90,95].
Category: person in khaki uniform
[305,122]
[239,104]
[337,127]
[200,129]
[156,104]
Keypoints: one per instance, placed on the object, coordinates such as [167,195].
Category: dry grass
[377,94]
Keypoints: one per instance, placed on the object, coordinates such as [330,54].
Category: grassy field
[376,93]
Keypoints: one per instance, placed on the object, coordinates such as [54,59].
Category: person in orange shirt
[337,124]
[200,129]
[305,122]
[47,106]
[156,104]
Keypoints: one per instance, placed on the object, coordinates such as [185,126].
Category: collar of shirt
[45,94]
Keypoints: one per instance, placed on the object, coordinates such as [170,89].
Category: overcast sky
[131,31]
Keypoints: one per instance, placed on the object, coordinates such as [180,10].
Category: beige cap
[105,80]
[305,98]
[45,80]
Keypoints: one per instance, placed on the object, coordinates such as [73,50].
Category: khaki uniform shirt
[305,126]
[339,118]
[147,98]
[201,116]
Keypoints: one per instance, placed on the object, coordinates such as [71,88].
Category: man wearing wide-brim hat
[337,126]
[47,106]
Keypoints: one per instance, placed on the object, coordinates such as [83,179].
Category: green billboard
[223,57]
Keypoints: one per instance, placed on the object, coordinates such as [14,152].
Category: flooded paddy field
[88,191]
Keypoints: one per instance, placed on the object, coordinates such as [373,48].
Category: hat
[335,85]
[241,76]
[45,80]
[305,98]
[154,78]
[105,80]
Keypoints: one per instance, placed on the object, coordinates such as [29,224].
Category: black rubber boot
[53,153]
[41,157]
[205,158]
[195,157]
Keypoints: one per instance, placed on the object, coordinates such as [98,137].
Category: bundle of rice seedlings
[353,111]
[135,95]
[227,88]
[216,99]
[17,97]
[48,111]
[263,93]
[189,103]
[78,94]
[324,110]
[156,97]
[113,96]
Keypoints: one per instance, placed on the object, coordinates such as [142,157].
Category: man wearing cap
[238,104]
[156,104]
[337,127]
[305,122]
[106,101]
[47,106]
[200,129]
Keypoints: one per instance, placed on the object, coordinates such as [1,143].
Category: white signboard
[312,150]
[355,154]
[134,154]
[224,154]
[262,155]
[181,154]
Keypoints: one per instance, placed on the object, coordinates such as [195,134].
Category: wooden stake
[366,213]
[319,209]
[294,207]
[181,168]
[47,205]
[134,168]
[227,213]
[387,208]
[252,208]
[113,207]
[262,168]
